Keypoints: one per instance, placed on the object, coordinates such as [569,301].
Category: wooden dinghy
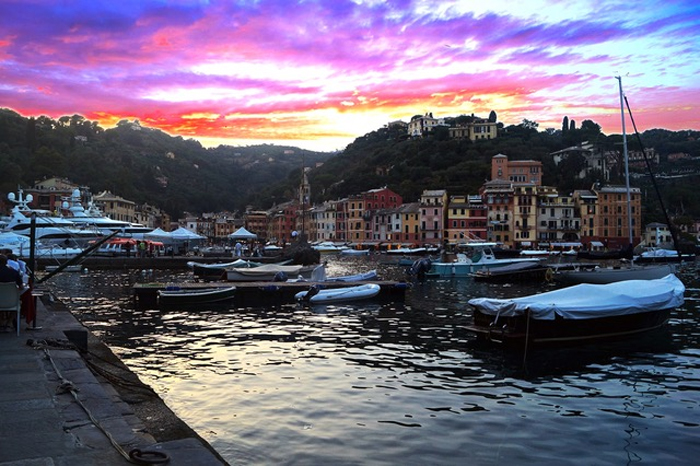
[196,296]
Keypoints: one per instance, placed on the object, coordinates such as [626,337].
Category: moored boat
[603,275]
[329,247]
[482,257]
[354,252]
[578,313]
[217,271]
[49,229]
[408,251]
[518,271]
[268,273]
[316,295]
[176,295]
[662,256]
[358,277]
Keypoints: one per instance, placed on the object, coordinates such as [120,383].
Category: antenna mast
[627,166]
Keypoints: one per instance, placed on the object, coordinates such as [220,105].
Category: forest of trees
[176,174]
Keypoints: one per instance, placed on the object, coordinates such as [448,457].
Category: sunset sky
[318,74]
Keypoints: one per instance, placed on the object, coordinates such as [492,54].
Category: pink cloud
[100,59]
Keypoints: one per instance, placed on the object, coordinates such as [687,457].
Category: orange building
[516,171]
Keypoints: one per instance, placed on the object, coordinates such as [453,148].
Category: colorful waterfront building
[466,219]
[433,203]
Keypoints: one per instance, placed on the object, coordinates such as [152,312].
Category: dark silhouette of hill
[142,164]
[149,166]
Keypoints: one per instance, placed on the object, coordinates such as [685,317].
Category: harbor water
[387,383]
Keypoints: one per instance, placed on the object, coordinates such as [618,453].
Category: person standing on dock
[239,249]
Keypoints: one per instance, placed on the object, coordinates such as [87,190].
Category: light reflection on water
[399,383]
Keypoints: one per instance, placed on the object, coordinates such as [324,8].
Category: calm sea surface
[400,383]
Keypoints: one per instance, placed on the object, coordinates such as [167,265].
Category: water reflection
[382,382]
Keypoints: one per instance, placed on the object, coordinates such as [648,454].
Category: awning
[597,244]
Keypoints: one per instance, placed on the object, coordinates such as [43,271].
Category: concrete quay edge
[43,422]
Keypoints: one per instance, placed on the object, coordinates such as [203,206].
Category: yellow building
[116,207]
[478,129]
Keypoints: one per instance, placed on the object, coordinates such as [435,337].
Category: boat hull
[611,275]
[521,331]
[519,272]
[199,296]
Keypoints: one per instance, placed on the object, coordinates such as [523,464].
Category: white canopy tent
[183,234]
[183,239]
[242,233]
[158,235]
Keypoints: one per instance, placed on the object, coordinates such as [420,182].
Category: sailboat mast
[627,165]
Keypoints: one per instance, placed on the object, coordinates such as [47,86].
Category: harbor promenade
[66,399]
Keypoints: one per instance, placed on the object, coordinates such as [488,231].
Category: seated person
[19,265]
[8,274]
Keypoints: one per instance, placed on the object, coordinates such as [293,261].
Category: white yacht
[92,217]
[50,229]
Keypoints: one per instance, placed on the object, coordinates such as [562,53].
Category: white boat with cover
[579,313]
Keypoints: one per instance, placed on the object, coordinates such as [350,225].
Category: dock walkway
[49,385]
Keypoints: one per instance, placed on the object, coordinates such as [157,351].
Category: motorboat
[407,251]
[578,313]
[516,272]
[603,275]
[329,247]
[93,217]
[481,257]
[315,295]
[49,229]
[660,256]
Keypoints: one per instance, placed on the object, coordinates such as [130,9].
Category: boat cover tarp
[588,301]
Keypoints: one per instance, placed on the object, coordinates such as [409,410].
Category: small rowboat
[196,296]
[351,293]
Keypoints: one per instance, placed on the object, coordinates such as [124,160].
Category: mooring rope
[136,455]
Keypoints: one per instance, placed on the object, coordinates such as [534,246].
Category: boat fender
[549,275]
[270,288]
[280,277]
